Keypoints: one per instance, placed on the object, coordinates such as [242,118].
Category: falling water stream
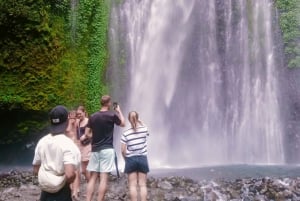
[73,19]
[203,76]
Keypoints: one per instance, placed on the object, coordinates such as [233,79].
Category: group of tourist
[78,144]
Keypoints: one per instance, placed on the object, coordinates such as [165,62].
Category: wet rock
[17,186]
[287,194]
[9,190]
[263,190]
[165,185]
[233,194]
[260,198]
[23,187]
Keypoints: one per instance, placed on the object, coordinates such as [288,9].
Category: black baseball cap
[58,119]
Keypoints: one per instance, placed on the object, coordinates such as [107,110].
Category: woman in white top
[134,151]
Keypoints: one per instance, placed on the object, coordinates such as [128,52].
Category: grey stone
[165,185]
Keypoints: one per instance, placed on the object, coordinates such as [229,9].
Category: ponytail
[133,118]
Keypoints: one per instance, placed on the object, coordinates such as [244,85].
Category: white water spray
[203,77]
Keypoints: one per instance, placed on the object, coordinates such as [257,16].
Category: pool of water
[227,172]
[20,157]
[230,171]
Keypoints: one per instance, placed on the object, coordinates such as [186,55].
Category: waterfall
[203,76]
[73,19]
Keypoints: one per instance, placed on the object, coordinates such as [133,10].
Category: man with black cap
[56,159]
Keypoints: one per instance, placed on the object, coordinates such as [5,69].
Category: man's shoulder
[46,136]
[63,138]
[101,114]
[44,139]
[66,143]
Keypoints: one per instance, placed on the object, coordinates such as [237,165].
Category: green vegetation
[92,36]
[290,26]
[30,45]
[43,63]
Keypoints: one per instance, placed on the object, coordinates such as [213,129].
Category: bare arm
[70,172]
[121,116]
[123,150]
[71,129]
[36,169]
[87,134]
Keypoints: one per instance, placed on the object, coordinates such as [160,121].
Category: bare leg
[91,186]
[102,186]
[143,185]
[84,171]
[76,186]
[132,181]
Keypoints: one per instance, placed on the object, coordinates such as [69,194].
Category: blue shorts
[136,164]
[102,161]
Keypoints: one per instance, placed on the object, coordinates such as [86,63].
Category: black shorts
[136,164]
[62,195]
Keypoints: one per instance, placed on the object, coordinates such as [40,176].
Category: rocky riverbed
[22,186]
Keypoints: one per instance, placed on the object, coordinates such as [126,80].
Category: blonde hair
[133,118]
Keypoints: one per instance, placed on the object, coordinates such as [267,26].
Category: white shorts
[102,161]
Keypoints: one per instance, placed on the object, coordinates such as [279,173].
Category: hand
[83,137]
[72,120]
[120,114]
[118,109]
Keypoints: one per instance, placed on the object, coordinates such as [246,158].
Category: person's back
[136,141]
[101,125]
[134,151]
[56,159]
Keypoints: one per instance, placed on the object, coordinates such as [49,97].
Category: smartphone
[115,105]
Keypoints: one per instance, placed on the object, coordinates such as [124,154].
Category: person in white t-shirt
[56,159]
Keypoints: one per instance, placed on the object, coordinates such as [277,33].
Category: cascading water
[203,76]
[73,19]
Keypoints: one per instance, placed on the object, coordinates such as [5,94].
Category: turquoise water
[227,172]
[231,171]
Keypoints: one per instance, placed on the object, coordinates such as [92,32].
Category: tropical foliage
[51,53]
[290,26]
